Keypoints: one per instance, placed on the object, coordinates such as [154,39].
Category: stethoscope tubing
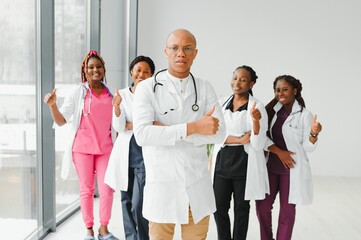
[195,106]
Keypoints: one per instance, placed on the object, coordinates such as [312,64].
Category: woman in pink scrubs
[89,111]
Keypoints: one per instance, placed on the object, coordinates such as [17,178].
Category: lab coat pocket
[160,167]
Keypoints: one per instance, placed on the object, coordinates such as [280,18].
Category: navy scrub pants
[135,225]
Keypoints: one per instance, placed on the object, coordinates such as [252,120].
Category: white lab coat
[71,110]
[177,175]
[257,177]
[296,131]
[116,175]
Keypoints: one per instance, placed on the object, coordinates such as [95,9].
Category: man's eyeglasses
[186,50]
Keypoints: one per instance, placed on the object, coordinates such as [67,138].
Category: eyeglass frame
[187,50]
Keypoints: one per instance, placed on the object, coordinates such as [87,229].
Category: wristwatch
[313,135]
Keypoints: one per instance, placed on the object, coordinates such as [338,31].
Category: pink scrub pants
[88,166]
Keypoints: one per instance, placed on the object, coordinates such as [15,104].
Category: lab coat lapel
[296,107]
[170,86]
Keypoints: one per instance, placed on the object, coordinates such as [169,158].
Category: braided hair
[251,72]
[84,64]
[296,84]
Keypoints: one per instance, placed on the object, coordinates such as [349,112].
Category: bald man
[175,116]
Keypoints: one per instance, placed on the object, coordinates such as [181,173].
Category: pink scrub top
[94,133]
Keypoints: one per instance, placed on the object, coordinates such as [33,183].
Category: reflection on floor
[12,228]
[335,214]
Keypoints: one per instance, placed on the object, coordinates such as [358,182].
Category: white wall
[315,41]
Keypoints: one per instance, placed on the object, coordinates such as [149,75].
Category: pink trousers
[88,166]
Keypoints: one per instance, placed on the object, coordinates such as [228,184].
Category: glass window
[18,156]
[70,48]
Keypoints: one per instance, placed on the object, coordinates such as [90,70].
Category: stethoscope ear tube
[155,79]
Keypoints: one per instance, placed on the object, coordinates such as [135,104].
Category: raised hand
[207,125]
[255,113]
[50,98]
[316,127]
[117,99]
[256,116]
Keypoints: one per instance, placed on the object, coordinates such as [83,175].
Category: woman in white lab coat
[239,164]
[293,131]
[126,170]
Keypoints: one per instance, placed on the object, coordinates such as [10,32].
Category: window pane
[70,47]
[18,157]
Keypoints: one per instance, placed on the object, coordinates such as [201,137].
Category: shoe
[89,238]
[109,236]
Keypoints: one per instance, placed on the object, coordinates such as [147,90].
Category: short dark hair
[142,59]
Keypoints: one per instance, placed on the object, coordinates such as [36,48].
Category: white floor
[334,215]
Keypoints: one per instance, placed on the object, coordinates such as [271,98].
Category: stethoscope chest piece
[195,107]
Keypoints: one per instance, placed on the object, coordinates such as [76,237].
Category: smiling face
[140,72]
[180,51]
[285,93]
[241,82]
[95,70]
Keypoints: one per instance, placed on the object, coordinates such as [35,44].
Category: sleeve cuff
[224,141]
[181,131]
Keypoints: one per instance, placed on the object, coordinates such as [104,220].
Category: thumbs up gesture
[316,127]
[207,125]
[50,98]
[210,111]
[255,113]
[117,99]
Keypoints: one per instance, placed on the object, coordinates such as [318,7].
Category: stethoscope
[292,119]
[86,88]
[195,106]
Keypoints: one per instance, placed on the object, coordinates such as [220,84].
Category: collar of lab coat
[166,81]
[295,108]
[251,99]
[87,87]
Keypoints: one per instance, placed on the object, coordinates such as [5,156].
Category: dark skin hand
[244,139]
[316,128]
[256,117]
[284,156]
[207,125]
